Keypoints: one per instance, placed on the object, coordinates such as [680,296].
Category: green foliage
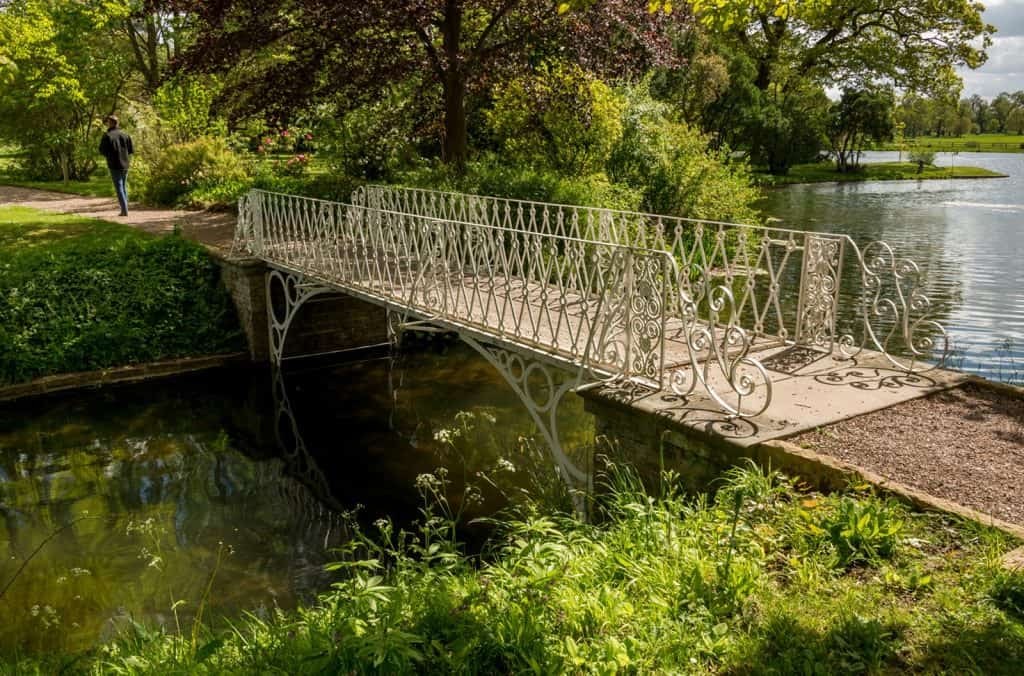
[922,157]
[860,116]
[560,118]
[863,531]
[185,109]
[1008,591]
[371,142]
[79,295]
[786,128]
[63,77]
[492,176]
[666,584]
[672,165]
[205,164]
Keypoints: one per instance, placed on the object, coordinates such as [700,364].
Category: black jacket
[116,146]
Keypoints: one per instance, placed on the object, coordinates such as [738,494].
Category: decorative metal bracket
[294,291]
[519,371]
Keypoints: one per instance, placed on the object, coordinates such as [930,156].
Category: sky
[1004,70]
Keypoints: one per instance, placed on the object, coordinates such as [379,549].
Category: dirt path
[214,229]
[965,445]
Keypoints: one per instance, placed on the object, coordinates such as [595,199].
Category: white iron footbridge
[542,290]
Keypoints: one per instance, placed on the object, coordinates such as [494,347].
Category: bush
[673,166]
[922,157]
[561,118]
[181,168]
[370,142]
[98,304]
[491,176]
[49,156]
[184,107]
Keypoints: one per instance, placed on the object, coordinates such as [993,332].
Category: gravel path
[214,229]
[965,445]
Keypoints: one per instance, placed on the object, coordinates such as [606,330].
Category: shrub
[181,168]
[491,176]
[184,109]
[922,158]
[102,303]
[673,166]
[561,118]
[370,142]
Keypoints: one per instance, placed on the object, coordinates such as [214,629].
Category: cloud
[1004,70]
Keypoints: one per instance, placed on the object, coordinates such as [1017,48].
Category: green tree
[859,116]
[65,77]
[1002,105]
[283,55]
[1015,120]
[561,117]
[786,127]
[913,44]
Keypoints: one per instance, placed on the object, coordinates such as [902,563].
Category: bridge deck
[812,388]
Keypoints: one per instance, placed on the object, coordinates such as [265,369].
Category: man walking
[116,146]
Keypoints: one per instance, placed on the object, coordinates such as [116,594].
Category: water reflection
[168,474]
[966,234]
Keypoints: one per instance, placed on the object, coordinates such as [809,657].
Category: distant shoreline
[882,171]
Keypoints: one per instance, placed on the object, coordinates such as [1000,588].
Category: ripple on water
[967,235]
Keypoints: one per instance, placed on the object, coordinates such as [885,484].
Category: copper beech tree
[285,54]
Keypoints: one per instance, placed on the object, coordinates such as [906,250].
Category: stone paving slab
[827,391]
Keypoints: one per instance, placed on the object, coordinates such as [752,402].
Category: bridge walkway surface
[682,328]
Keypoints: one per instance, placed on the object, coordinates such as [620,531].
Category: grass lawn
[823,172]
[79,294]
[999,143]
[762,578]
[98,185]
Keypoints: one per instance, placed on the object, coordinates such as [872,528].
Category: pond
[967,235]
[133,493]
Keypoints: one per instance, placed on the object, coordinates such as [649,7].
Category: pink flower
[267,141]
[259,149]
[285,133]
[309,137]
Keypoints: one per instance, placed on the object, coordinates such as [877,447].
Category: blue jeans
[121,186]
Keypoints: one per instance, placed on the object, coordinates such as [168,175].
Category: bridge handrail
[624,339]
[892,307]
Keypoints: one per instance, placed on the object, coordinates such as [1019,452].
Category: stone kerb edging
[995,386]
[123,374]
[827,471]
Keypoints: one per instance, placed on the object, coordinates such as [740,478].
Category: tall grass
[760,578]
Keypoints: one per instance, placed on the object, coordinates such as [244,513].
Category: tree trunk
[455,130]
[456,139]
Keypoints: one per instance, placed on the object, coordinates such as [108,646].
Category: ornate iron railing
[778,285]
[601,306]
[593,304]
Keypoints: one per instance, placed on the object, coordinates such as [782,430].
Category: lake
[967,235]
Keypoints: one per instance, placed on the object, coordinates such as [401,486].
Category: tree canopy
[283,55]
[906,43]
